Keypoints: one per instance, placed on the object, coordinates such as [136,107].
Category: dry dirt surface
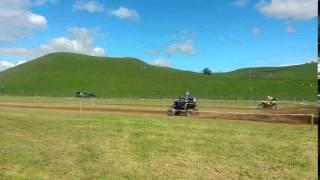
[303,115]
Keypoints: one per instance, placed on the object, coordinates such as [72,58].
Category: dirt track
[290,115]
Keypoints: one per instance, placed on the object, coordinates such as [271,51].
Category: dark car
[84,94]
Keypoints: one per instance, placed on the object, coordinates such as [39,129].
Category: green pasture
[62,74]
[66,145]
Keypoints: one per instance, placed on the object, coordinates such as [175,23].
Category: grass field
[62,74]
[52,144]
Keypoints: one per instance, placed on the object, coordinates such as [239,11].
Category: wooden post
[312,121]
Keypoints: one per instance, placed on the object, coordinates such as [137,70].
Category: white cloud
[293,64]
[17,21]
[255,31]
[20,62]
[161,62]
[239,3]
[308,60]
[183,44]
[184,47]
[90,6]
[289,9]
[290,29]
[17,52]
[6,65]
[126,13]
[94,6]
[37,19]
[82,41]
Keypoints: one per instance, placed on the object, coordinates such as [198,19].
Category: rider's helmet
[269,98]
[187,93]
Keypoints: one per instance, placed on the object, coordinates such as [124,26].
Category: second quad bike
[268,104]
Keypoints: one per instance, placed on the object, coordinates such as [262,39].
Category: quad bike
[183,106]
[272,104]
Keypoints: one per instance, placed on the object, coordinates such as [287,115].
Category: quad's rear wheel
[171,112]
[274,106]
[260,106]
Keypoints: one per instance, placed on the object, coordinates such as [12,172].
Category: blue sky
[223,35]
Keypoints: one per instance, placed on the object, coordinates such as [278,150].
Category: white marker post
[312,121]
[80,107]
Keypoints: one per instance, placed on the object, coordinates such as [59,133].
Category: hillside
[295,72]
[62,74]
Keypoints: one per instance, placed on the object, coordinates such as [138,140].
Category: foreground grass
[64,145]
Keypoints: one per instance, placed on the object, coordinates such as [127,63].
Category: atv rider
[189,98]
[270,100]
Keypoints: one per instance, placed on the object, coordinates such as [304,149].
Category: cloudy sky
[185,34]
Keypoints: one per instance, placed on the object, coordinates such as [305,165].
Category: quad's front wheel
[191,112]
[260,106]
[274,106]
[171,112]
[196,111]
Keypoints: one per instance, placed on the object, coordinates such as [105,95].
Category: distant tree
[206,71]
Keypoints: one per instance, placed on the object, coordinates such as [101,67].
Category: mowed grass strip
[71,101]
[64,145]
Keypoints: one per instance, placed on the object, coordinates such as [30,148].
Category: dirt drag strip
[292,116]
[88,109]
[264,117]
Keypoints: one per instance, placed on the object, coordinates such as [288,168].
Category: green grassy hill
[303,72]
[62,74]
